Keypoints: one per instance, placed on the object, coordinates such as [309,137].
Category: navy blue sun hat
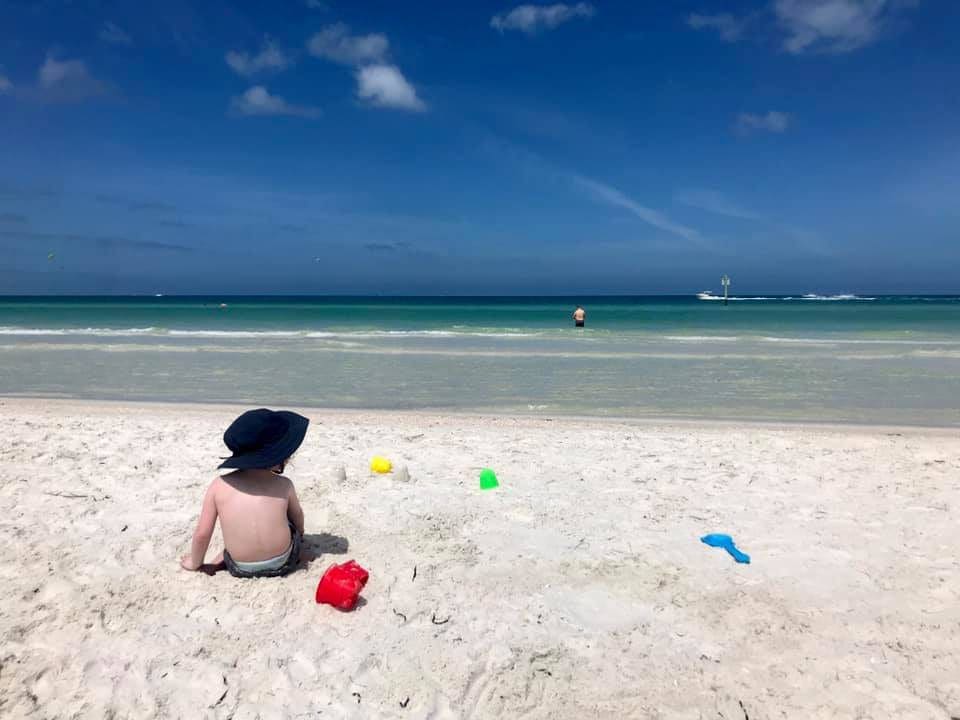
[263,438]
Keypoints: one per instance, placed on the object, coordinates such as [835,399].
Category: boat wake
[707,295]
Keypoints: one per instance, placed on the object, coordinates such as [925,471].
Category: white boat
[707,295]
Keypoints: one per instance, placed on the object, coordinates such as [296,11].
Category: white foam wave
[315,334]
[855,341]
[104,332]
[809,340]
[373,334]
[701,338]
[830,298]
[233,333]
[350,337]
[789,298]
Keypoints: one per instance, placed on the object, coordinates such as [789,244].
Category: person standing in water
[579,316]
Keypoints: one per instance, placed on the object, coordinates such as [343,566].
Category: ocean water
[874,359]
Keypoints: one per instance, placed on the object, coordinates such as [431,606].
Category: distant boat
[707,295]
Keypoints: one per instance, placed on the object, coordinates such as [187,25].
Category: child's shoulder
[216,485]
[226,483]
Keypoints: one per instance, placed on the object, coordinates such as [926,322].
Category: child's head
[264,439]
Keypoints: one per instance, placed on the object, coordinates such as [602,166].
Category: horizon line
[779,294]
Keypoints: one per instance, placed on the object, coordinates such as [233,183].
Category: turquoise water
[791,316]
[841,358]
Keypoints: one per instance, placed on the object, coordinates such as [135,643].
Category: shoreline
[662,422]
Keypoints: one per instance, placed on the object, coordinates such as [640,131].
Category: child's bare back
[259,512]
[255,508]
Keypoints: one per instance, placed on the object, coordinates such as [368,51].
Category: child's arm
[294,511]
[204,531]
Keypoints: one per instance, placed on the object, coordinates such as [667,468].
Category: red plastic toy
[340,585]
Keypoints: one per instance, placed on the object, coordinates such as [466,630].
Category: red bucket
[340,585]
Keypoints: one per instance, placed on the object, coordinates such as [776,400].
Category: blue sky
[479,147]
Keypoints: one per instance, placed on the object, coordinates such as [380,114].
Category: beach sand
[577,589]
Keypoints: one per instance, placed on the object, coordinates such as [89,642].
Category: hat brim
[275,453]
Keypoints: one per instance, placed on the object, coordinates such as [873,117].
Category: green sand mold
[488,479]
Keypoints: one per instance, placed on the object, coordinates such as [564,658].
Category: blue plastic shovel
[719,540]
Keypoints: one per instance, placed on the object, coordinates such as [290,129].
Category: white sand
[578,589]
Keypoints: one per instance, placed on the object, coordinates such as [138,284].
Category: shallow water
[891,360]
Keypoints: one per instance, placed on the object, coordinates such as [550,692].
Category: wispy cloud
[534,165]
[111,33]
[258,101]
[715,202]
[385,86]
[135,205]
[386,247]
[335,43]
[101,241]
[68,81]
[30,192]
[773,121]
[812,26]
[726,25]
[612,196]
[316,4]
[270,58]
[5,84]
[834,26]
[150,207]
[532,19]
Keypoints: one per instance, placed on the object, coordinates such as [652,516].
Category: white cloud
[114,35]
[258,101]
[534,18]
[379,83]
[5,84]
[612,196]
[337,44]
[773,121]
[68,81]
[833,26]
[385,86]
[729,27]
[270,57]
[715,202]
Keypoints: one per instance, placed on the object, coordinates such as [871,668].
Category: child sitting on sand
[260,514]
